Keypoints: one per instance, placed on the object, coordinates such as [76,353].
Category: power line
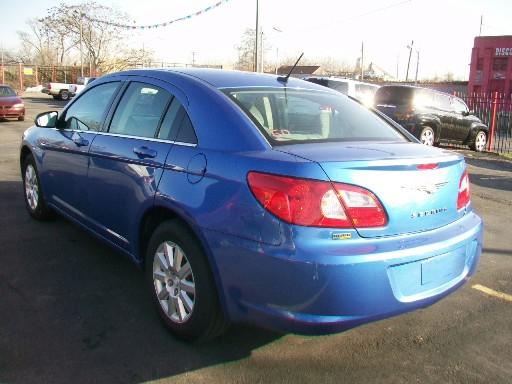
[354,17]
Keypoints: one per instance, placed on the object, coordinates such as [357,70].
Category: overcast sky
[442,30]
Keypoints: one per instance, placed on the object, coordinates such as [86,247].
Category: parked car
[11,106]
[59,91]
[252,198]
[364,92]
[432,116]
[81,83]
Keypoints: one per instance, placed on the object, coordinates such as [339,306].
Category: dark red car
[11,106]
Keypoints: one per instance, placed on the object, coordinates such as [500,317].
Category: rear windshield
[6,91]
[394,96]
[288,115]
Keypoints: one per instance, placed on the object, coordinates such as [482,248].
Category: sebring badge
[432,212]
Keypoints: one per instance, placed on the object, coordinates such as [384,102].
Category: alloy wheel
[174,282]
[480,141]
[427,137]
[31,187]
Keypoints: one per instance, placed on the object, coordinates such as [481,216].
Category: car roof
[341,80]
[220,78]
[415,88]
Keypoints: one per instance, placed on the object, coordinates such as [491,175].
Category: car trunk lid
[417,185]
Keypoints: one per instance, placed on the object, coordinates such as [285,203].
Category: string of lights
[160,25]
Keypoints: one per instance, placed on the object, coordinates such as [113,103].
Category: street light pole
[256,37]
[362,60]
[417,65]
[409,62]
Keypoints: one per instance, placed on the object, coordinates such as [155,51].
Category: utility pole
[81,37]
[481,22]
[417,65]
[362,60]
[409,62]
[3,70]
[261,51]
[256,37]
[277,58]
[397,61]
[193,58]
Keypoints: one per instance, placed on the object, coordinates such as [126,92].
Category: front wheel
[181,284]
[480,142]
[427,136]
[34,200]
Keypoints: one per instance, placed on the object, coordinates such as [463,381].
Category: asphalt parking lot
[74,311]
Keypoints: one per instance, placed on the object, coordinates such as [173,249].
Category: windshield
[394,96]
[6,91]
[298,115]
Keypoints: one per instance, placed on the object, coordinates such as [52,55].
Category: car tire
[427,136]
[21,118]
[34,199]
[480,142]
[185,296]
[64,95]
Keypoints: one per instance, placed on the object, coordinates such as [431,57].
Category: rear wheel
[181,284]
[64,95]
[480,142]
[427,136]
[34,200]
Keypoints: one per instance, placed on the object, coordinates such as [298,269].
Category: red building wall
[491,65]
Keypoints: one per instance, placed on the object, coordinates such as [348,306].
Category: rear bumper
[316,285]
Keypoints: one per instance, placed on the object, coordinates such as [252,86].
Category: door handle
[145,152]
[79,140]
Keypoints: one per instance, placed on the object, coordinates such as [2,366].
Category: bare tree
[92,25]
[89,30]
[36,47]
[246,51]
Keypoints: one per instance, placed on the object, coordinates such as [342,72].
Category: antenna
[285,79]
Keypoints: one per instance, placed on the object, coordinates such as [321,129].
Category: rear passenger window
[140,110]
[176,125]
[170,124]
[186,133]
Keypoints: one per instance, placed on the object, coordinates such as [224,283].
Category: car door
[445,114]
[462,123]
[127,160]
[65,161]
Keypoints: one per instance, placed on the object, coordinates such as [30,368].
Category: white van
[364,92]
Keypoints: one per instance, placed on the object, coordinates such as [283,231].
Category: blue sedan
[257,199]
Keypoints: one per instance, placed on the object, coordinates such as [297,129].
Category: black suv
[431,115]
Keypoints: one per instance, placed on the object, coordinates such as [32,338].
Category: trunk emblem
[429,188]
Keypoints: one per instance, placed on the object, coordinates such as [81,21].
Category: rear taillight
[463,197]
[316,203]
[49,86]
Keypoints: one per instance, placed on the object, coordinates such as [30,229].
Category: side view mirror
[466,113]
[47,119]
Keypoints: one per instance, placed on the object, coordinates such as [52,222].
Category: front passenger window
[458,106]
[86,113]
